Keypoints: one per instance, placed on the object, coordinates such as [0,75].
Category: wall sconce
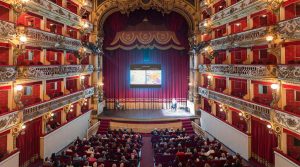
[83,102]
[83,27]
[69,108]
[18,96]
[18,129]
[48,116]
[269,38]
[275,97]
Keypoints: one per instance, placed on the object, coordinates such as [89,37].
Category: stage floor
[146,115]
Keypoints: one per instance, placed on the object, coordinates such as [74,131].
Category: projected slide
[145,75]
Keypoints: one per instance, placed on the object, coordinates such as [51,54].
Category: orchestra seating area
[178,148]
[117,147]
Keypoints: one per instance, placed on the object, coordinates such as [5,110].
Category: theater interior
[149,83]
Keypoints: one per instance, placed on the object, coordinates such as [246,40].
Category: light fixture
[269,38]
[269,126]
[190,84]
[23,38]
[209,76]
[82,77]
[220,6]
[101,84]
[264,15]
[205,24]
[274,86]
[72,105]
[238,24]
[19,87]
[240,114]
[51,114]
[25,1]
[23,126]
[206,48]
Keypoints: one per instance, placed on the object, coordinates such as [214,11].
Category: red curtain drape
[263,142]
[175,71]
[29,142]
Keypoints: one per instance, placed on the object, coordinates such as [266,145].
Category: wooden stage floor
[146,115]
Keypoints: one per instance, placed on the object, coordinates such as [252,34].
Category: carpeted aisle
[147,153]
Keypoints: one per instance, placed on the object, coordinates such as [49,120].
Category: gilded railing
[45,39]
[246,38]
[240,104]
[39,109]
[290,29]
[239,10]
[7,30]
[290,73]
[7,73]
[287,120]
[52,71]
[240,70]
[56,12]
[8,120]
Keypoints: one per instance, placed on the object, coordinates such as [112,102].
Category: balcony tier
[287,120]
[289,29]
[55,12]
[52,71]
[7,73]
[8,120]
[289,73]
[54,104]
[39,38]
[243,71]
[242,39]
[239,10]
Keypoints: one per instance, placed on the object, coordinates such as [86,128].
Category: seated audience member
[47,162]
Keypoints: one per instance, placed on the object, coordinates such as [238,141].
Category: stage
[146,115]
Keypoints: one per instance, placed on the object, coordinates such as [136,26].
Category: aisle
[147,153]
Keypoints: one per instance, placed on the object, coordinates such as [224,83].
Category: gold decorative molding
[188,11]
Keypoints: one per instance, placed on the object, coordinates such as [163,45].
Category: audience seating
[178,149]
[112,147]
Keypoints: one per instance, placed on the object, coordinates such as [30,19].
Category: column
[229,116]
[43,91]
[282,101]
[249,22]
[281,60]
[249,56]
[11,56]
[281,13]
[63,58]
[249,95]
[43,23]
[283,142]
[44,57]
[228,86]
[78,109]
[63,117]
[228,57]
[228,29]
[214,108]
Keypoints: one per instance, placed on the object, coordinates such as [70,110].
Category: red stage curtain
[263,142]
[175,71]
[29,143]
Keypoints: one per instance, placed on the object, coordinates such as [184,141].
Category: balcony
[243,39]
[8,120]
[287,120]
[7,30]
[52,71]
[7,73]
[289,73]
[289,28]
[39,38]
[239,10]
[240,104]
[55,12]
[243,71]
[54,104]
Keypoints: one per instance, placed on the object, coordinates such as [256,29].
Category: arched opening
[140,38]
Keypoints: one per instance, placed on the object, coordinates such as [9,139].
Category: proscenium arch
[103,11]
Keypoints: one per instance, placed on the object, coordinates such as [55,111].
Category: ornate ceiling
[187,8]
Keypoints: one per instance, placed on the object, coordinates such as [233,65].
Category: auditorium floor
[146,115]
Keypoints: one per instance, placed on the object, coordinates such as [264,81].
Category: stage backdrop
[119,55]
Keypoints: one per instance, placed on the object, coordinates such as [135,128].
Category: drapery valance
[162,40]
